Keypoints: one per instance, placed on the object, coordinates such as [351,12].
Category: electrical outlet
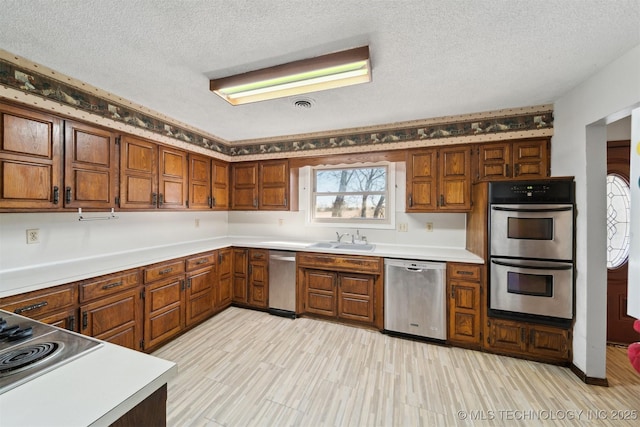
[33,236]
[280,222]
[403,226]
[197,222]
[429,226]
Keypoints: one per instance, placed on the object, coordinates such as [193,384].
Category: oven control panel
[540,191]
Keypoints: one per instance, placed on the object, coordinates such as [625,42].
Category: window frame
[386,223]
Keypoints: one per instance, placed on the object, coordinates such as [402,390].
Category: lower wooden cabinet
[224,295]
[538,342]
[251,277]
[115,319]
[201,284]
[240,275]
[56,306]
[258,278]
[464,288]
[164,310]
[111,308]
[347,288]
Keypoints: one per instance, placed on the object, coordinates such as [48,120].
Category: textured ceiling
[429,58]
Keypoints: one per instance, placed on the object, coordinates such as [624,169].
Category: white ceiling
[430,58]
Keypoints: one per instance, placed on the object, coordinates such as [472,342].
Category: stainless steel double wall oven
[532,235]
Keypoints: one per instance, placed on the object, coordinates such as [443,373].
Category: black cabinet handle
[154,199]
[160,199]
[30,307]
[67,195]
[166,270]
[112,285]
[85,320]
[56,195]
[410,200]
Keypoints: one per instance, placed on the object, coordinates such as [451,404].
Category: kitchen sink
[362,247]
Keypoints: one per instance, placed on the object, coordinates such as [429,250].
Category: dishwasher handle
[414,269]
[282,258]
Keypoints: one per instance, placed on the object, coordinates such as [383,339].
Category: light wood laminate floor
[247,368]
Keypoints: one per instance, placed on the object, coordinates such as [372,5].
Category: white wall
[579,149]
[633,296]
[63,237]
[448,228]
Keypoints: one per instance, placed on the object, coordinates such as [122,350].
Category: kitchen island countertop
[95,389]
[40,276]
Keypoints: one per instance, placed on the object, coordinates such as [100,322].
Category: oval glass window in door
[618,215]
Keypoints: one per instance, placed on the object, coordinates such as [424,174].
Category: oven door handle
[533,267]
[561,209]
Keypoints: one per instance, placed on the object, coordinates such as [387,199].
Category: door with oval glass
[619,324]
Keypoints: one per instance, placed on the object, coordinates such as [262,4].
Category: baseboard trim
[602,382]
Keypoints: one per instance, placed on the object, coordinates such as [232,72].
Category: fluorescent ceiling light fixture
[330,71]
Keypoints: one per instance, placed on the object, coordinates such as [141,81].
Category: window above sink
[361,195]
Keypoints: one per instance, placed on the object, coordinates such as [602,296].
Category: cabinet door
[355,297]
[172,179]
[116,319]
[320,292]
[138,174]
[530,159]
[455,179]
[549,342]
[200,296]
[225,278]
[240,276]
[199,182]
[245,186]
[421,180]
[164,310]
[30,159]
[494,161]
[274,185]
[258,278]
[464,312]
[506,335]
[64,319]
[220,185]
[91,167]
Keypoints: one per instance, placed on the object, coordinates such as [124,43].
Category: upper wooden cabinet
[526,159]
[199,182]
[274,185]
[91,167]
[219,185]
[260,185]
[152,176]
[439,179]
[30,159]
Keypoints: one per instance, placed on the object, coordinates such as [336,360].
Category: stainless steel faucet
[340,236]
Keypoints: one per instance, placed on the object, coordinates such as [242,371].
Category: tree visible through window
[350,194]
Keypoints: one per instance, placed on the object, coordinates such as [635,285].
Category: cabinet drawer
[40,303]
[108,285]
[363,264]
[258,255]
[469,272]
[161,271]
[200,261]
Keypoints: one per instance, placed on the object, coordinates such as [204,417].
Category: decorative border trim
[24,80]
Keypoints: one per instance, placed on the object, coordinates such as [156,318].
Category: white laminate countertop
[94,390]
[39,276]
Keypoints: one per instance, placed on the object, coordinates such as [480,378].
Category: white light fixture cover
[330,71]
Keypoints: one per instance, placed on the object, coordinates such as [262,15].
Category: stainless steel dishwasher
[282,283]
[414,295]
